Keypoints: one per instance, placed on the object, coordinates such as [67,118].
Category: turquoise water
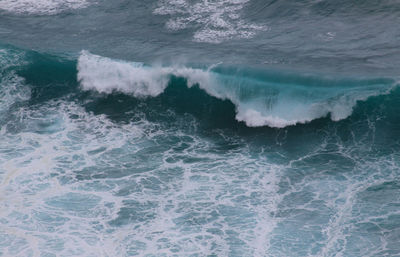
[199,128]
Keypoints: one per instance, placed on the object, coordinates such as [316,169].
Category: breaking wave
[261,98]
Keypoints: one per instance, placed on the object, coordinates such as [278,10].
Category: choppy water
[199,128]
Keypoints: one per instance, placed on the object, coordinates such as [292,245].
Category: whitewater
[199,128]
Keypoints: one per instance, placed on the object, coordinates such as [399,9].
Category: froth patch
[41,7]
[216,21]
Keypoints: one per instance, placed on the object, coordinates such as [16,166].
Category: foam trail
[258,102]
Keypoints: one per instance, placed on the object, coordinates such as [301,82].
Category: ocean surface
[199,128]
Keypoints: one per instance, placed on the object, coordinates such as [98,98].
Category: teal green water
[199,128]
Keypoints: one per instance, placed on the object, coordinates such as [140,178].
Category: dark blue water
[199,128]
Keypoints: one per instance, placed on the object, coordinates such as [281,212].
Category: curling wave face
[275,101]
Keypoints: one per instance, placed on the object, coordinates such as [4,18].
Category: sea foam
[218,21]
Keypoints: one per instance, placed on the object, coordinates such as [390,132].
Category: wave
[261,99]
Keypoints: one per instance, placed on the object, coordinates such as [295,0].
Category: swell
[257,98]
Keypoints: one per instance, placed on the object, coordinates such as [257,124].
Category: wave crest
[106,75]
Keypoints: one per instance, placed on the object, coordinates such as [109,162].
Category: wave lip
[260,101]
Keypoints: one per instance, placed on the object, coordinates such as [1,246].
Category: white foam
[106,75]
[41,7]
[43,214]
[217,21]
[46,209]
[254,118]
